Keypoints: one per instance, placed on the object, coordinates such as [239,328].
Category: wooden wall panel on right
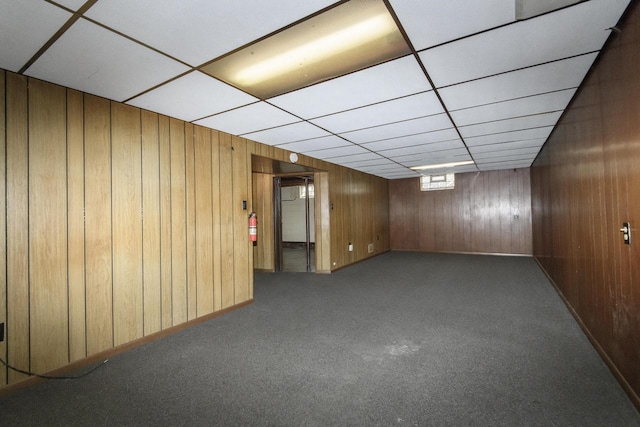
[585,183]
[486,212]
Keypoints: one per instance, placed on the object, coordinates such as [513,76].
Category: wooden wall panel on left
[98,250]
[75,225]
[137,219]
[241,193]
[126,185]
[204,221]
[17,326]
[48,303]
[263,252]
[166,255]
[151,217]
[190,196]
[115,223]
[178,222]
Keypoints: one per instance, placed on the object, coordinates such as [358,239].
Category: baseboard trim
[465,253]
[106,354]
[633,396]
[354,262]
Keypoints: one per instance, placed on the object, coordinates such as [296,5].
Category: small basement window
[445,181]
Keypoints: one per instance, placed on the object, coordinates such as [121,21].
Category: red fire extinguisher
[253,227]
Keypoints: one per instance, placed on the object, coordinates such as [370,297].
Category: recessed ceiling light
[442,165]
[349,37]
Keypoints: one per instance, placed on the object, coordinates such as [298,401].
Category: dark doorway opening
[294,206]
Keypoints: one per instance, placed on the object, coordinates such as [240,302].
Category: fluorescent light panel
[442,165]
[346,38]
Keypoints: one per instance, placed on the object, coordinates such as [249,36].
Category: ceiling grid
[478,84]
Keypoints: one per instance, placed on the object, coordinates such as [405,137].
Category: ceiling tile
[400,175]
[345,160]
[523,153]
[530,81]
[422,104]
[529,144]
[288,133]
[25,26]
[503,165]
[94,60]
[373,162]
[383,82]
[200,30]
[314,144]
[348,150]
[428,158]
[398,129]
[397,169]
[393,153]
[191,97]
[379,170]
[510,125]
[71,4]
[431,22]
[252,118]
[536,104]
[520,135]
[412,140]
[567,32]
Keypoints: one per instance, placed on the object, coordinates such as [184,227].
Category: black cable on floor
[53,377]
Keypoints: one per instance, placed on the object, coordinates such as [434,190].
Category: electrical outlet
[1,331]
[350,247]
[370,247]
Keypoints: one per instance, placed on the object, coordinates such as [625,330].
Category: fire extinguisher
[253,227]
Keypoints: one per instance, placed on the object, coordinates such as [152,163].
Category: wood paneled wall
[263,254]
[585,183]
[121,223]
[359,208]
[487,212]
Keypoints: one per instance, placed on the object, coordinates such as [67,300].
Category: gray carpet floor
[401,339]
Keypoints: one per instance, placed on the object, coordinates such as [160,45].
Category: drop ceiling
[477,85]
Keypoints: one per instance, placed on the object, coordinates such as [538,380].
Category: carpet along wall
[585,184]
[119,223]
[487,212]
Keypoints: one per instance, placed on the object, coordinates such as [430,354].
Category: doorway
[294,207]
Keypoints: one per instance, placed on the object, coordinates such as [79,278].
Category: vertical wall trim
[186,221]
[195,217]
[171,217]
[233,223]
[84,217]
[141,216]
[28,226]
[66,167]
[160,217]
[113,311]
